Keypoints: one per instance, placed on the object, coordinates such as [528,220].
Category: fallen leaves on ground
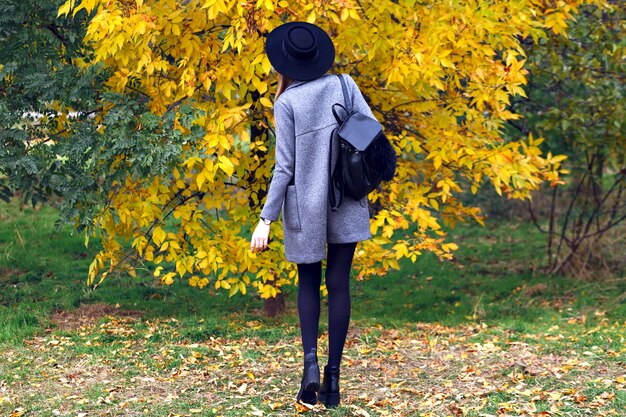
[132,366]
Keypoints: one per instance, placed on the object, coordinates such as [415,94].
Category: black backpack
[365,155]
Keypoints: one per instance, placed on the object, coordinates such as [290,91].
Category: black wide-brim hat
[300,50]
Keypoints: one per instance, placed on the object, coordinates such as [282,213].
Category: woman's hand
[259,237]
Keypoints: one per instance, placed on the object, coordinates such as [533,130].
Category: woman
[302,53]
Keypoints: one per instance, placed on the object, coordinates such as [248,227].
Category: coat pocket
[363,201]
[291,215]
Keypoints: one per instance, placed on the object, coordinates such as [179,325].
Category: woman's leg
[309,280]
[338,267]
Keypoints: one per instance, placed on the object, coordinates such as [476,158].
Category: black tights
[338,266]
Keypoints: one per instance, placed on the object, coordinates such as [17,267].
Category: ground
[102,360]
[487,334]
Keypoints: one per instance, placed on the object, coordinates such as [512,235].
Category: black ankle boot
[310,383]
[329,391]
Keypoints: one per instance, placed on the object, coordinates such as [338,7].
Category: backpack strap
[346,96]
[339,119]
[346,100]
[337,179]
[334,178]
[331,194]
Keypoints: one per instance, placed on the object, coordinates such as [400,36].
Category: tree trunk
[275,306]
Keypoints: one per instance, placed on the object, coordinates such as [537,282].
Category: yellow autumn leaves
[438,75]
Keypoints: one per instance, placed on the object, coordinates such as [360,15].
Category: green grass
[491,295]
[48,269]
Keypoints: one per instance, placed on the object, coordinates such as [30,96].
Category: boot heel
[312,386]
[329,390]
[331,399]
[310,383]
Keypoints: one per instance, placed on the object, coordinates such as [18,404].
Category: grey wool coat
[303,125]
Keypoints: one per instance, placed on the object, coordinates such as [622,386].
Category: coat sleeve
[358,102]
[285,153]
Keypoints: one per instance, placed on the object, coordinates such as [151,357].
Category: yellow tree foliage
[438,75]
